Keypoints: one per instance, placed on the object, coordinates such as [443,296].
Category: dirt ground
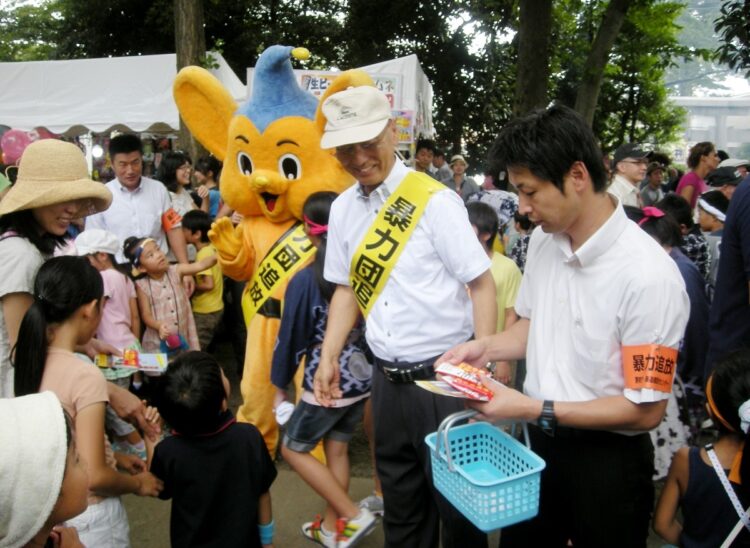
[294,502]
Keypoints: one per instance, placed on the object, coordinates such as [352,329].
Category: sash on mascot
[386,237]
[290,252]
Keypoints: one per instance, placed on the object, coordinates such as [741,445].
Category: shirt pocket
[591,358]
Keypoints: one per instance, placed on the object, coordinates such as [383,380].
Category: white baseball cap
[733,162]
[96,240]
[354,115]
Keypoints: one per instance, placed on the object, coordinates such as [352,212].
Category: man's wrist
[534,410]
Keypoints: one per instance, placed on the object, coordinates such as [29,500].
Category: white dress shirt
[424,308]
[620,288]
[135,213]
[625,191]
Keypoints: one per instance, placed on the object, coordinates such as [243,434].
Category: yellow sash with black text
[285,257]
[386,237]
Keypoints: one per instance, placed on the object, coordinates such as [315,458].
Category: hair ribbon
[314,229]
[649,213]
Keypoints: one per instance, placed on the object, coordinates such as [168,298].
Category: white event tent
[74,97]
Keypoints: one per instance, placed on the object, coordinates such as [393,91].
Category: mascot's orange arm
[234,248]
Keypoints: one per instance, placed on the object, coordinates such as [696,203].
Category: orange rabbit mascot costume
[272,158]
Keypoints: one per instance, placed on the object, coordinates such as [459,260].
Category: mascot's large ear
[349,79]
[205,106]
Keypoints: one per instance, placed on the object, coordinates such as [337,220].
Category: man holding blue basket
[602,311]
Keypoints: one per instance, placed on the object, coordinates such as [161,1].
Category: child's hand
[502,372]
[202,191]
[130,463]
[279,397]
[152,416]
[164,330]
[65,537]
[149,485]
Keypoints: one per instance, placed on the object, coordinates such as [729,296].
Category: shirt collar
[391,182]
[123,188]
[599,242]
[625,183]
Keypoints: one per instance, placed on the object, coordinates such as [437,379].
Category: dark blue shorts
[311,423]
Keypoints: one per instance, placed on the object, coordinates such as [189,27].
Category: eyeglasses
[368,147]
[186,167]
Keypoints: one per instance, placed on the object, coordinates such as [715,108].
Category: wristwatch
[547,420]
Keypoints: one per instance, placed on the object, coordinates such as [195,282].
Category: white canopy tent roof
[77,96]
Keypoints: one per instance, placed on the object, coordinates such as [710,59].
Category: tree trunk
[593,72]
[190,47]
[535,29]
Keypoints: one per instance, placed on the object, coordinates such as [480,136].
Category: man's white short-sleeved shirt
[620,288]
[135,213]
[625,191]
[424,308]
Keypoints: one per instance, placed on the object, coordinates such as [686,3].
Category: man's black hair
[483,217]
[191,394]
[125,144]
[196,219]
[547,143]
[438,153]
[429,144]
[678,207]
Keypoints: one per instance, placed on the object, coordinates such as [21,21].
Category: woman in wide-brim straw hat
[52,188]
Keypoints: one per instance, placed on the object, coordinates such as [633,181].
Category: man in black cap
[725,179]
[629,162]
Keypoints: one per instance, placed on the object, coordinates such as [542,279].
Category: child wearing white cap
[42,482]
[120,326]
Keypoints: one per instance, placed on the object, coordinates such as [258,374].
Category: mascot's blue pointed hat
[276,93]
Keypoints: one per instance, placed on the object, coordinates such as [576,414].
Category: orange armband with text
[170,219]
[649,366]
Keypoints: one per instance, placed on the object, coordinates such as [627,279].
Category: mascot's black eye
[245,163]
[290,167]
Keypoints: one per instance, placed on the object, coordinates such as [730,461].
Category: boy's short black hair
[678,207]
[547,143]
[125,144]
[425,143]
[192,393]
[483,217]
[197,219]
[714,198]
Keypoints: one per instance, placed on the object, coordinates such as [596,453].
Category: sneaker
[350,531]
[374,504]
[313,530]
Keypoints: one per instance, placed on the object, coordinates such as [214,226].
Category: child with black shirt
[216,471]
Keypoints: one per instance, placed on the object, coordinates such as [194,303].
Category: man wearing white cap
[402,252]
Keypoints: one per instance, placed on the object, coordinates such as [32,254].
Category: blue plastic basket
[489,476]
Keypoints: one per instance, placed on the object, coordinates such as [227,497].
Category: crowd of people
[608,298]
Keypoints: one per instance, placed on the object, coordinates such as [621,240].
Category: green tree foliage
[468,49]
[633,104]
[28,32]
[734,27]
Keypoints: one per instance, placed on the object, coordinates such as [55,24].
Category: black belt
[565,432]
[271,308]
[406,372]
